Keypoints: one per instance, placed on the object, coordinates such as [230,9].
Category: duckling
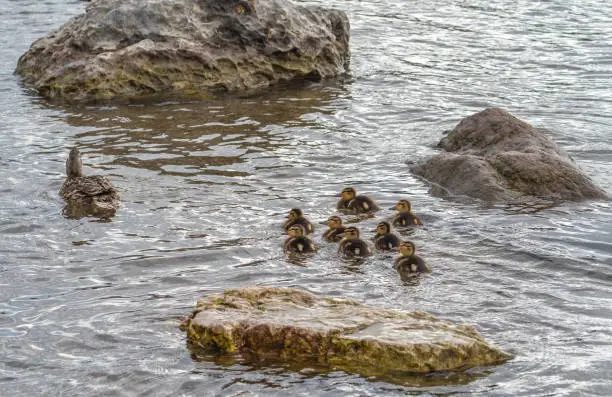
[384,239]
[245,7]
[297,241]
[335,232]
[408,264]
[405,217]
[296,217]
[351,245]
[359,204]
[87,195]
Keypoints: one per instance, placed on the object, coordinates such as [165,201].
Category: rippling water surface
[90,308]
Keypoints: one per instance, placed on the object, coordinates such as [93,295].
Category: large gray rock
[129,48]
[290,325]
[494,156]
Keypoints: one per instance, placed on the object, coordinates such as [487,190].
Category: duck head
[294,214]
[403,206]
[348,193]
[407,248]
[296,231]
[351,233]
[74,165]
[383,228]
[334,222]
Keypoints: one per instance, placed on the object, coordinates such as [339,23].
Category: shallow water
[91,308]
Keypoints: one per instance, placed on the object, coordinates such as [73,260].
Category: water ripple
[92,308]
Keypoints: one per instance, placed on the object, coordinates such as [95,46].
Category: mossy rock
[287,325]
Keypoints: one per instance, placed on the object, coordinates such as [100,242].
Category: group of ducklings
[408,263]
[99,189]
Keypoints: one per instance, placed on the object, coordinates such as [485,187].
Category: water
[91,308]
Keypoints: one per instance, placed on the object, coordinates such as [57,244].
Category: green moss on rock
[287,324]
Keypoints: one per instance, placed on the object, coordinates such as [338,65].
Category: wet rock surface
[133,48]
[496,157]
[289,325]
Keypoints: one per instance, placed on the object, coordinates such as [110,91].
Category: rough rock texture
[92,195]
[494,156]
[131,48]
[287,324]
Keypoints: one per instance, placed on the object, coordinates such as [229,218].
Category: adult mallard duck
[298,241]
[87,195]
[405,217]
[384,238]
[335,232]
[409,264]
[352,202]
[296,217]
[351,245]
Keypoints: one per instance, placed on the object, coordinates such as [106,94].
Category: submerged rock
[494,156]
[285,324]
[128,48]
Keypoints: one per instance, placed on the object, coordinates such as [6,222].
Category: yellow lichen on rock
[266,322]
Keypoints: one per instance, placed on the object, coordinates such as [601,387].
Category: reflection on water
[90,307]
[313,369]
[192,138]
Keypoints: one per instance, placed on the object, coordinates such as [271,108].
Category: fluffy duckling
[384,239]
[296,217]
[87,195]
[405,217]
[359,204]
[408,264]
[335,232]
[351,245]
[298,241]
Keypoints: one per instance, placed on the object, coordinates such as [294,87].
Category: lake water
[91,308]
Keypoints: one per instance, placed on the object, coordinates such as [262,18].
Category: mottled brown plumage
[296,217]
[298,241]
[335,232]
[408,264]
[351,202]
[405,217]
[384,238]
[87,195]
[351,245]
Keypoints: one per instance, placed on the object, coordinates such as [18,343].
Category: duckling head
[334,222]
[351,232]
[403,206]
[296,231]
[74,165]
[383,228]
[407,248]
[348,193]
[294,214]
